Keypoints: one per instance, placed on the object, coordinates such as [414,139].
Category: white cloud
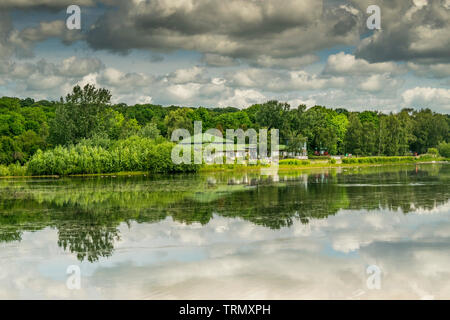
[27,4]
[24,40]
[243,98]
[123,82]
[184,92]
[379,82]
[37,82]
[144,100]
[279,29]
[48,79]
[182,76]
[425,96]
[278,81]
[79,67]
[285,63]
[410,32]
[308,102]
[216,60]
[346,64]
[438,70]
[261,47]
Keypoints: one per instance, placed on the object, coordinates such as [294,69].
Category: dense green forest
[86,133]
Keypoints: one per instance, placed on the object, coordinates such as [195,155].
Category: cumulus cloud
[347,64]
[242,98]
[284,63]
[37,82]
[23,41]
[79,67]
[277,81]
[181,76]
[438,70]
[48,79]
[377,82]
[411,31]
[72,67]
[216,60]
[5,28]
[122,83]
[420,97]
[43,4]
[244,51]
[308,102]
[235,28]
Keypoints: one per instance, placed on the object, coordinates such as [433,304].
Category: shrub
[17,170]
[294,162]
[313,157]
[433,151]
[377,160]
[332,161]
[4,172]
[427,157]
[444,149]
[150,130]
[132,154]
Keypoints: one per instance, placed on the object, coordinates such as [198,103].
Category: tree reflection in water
[87,212]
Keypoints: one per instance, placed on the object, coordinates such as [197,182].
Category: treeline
[86,116]
[24,128]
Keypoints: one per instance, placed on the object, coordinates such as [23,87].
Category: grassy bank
[15,170]
[295,164]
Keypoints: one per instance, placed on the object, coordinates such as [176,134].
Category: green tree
[295,142]
[77,117]
[296,119]
[30,142]
[369,139]
[316,125]
[115,126]
[340,123]
[203,115]
[429,129]
[10,151]
[405,132]
[150,130]
[444,149]
[274,115]
[179,119]
[353,136]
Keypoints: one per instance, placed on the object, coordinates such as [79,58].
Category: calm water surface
[291,235]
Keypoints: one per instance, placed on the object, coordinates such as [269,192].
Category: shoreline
[320,166]
[240,168]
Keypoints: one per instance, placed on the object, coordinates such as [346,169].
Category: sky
[217,53]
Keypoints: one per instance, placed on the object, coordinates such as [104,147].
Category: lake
[344,233]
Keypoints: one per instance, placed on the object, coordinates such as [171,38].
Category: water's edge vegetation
[60,168]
